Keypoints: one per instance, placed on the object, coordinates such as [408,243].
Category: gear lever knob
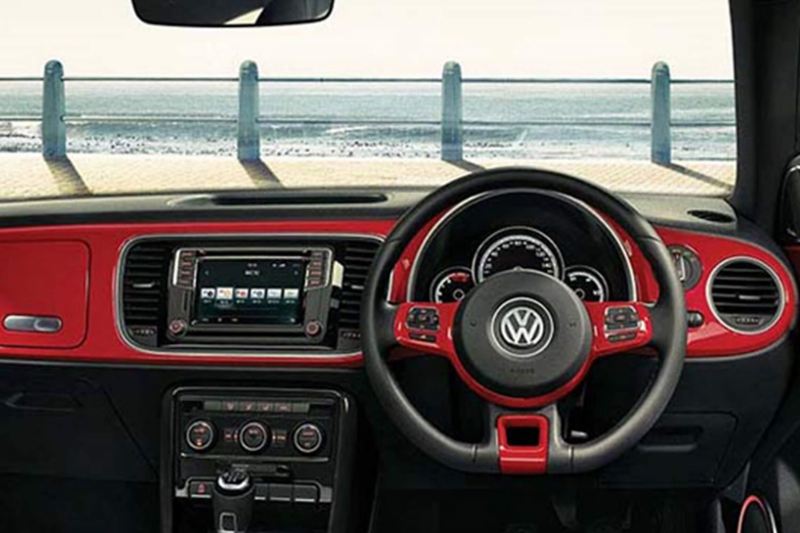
[232,500]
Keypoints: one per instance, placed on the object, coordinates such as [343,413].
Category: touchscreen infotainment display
[264,291]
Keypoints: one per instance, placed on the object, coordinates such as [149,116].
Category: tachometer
[588,283]
[517,248]
[452,285]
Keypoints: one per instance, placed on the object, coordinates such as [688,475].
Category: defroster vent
[746,295]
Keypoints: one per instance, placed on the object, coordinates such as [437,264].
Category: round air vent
[746,295]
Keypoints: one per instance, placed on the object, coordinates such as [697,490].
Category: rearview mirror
[232,12]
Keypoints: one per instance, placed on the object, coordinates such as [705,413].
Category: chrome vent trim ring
[721,317]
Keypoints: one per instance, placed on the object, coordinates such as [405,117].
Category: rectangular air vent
[144,280]
[357,261]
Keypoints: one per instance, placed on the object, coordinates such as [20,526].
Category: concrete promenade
[30,175]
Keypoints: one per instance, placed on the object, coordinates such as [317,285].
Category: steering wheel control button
[200,435]
[522,333]
[426,318]
[422,337]
[307,438]
[253,437]
[621,337]
[621,318]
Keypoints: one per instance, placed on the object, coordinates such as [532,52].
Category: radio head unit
[258,290]
[283,294]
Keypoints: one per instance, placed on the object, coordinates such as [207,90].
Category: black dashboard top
[669,210]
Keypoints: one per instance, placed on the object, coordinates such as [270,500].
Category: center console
[297,295]
[241,460]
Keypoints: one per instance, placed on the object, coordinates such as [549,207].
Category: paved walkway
[30,176]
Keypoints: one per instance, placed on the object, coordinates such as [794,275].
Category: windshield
[636,96]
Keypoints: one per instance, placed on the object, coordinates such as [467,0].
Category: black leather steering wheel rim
[669,338]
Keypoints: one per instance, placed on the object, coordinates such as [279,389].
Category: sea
[377,119]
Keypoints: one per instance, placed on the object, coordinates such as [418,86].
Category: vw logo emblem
[522,327]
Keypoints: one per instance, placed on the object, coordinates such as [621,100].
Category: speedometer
[520,248]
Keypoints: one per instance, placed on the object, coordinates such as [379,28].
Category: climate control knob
[307,438]
[253,437]
[200,435]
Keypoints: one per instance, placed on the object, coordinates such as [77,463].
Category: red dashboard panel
[712,338]
[102,342]
[45,279]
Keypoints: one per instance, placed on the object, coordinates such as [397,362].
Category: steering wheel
[523,340]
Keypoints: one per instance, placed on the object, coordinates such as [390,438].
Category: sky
[503,38]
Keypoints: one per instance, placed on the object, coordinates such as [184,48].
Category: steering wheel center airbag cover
[522,334]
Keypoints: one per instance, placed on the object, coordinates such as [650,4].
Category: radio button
[313,328]
[291,294]
[279,438]
[307,438]
[266,407]
[301,407]
[200,435]
[200,489]
[247,406]
[178,327]
[212,405]
[253,437]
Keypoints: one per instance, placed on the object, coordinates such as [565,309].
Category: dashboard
[71,263]
[74,273]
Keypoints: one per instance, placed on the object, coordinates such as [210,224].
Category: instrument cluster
[526,230]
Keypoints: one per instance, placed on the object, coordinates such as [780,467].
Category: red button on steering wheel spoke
[426,327]
[619,327]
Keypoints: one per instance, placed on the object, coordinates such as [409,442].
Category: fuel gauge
[588,283]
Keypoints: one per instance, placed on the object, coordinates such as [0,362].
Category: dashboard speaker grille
[746,295]
[357,261]
[143,284]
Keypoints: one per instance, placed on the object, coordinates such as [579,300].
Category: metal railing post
[452,114]
[248,142]
[660,117]
[54,130]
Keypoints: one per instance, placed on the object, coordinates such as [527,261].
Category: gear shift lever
[232,500]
